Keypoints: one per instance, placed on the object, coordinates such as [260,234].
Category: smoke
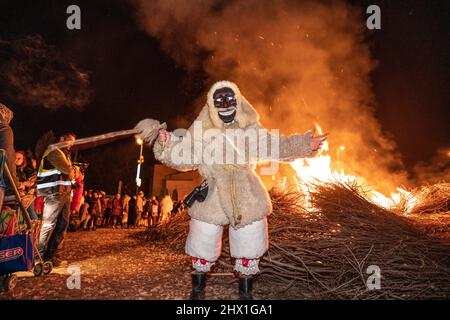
[436,170]
[298,63]
[33,73]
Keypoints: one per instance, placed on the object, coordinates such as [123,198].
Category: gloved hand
[149,128]
[163,136]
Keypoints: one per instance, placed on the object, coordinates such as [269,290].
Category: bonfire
[332,237]
[331,251]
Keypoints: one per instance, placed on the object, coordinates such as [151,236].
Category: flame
[319,170]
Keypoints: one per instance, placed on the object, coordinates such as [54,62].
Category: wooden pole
[119,188]
[102,138]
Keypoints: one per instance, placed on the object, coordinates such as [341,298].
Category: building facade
[169,181]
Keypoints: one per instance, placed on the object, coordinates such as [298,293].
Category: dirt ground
[122,264]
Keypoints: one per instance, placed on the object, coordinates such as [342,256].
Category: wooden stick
[95,139]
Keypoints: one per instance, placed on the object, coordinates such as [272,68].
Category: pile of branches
[434,199]
[330,257]
[431,211]
[341,246]
[173,233]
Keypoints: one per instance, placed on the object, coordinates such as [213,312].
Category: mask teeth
[227,113]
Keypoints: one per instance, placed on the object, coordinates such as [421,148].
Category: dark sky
[132,79]
[412,81]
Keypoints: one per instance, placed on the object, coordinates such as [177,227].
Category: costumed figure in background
[166,209]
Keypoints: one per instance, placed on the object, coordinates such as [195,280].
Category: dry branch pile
[433,199]
[431,212]
[325,253]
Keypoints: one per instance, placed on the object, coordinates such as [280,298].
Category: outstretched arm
[167,149]
[288,148]
[167,145]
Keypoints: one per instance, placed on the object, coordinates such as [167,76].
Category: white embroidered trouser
[247,245]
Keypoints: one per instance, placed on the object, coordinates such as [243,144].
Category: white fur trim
[223,84]
[251,269]
[245,113]
[204,240]
[200,267]
[250,241]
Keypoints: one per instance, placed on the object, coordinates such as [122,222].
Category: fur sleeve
[284,148]
[170,154]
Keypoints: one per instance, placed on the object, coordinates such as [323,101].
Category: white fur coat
[236,194]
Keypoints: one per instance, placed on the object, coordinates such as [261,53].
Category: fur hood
[246,115]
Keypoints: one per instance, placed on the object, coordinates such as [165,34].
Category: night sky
[132,78]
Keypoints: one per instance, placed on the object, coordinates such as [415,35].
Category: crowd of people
[96,209]
[52,190]
[90,209]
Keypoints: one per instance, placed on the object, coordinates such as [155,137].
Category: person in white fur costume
[235,194]
[166,209]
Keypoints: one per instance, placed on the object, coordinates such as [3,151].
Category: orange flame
[318,170]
